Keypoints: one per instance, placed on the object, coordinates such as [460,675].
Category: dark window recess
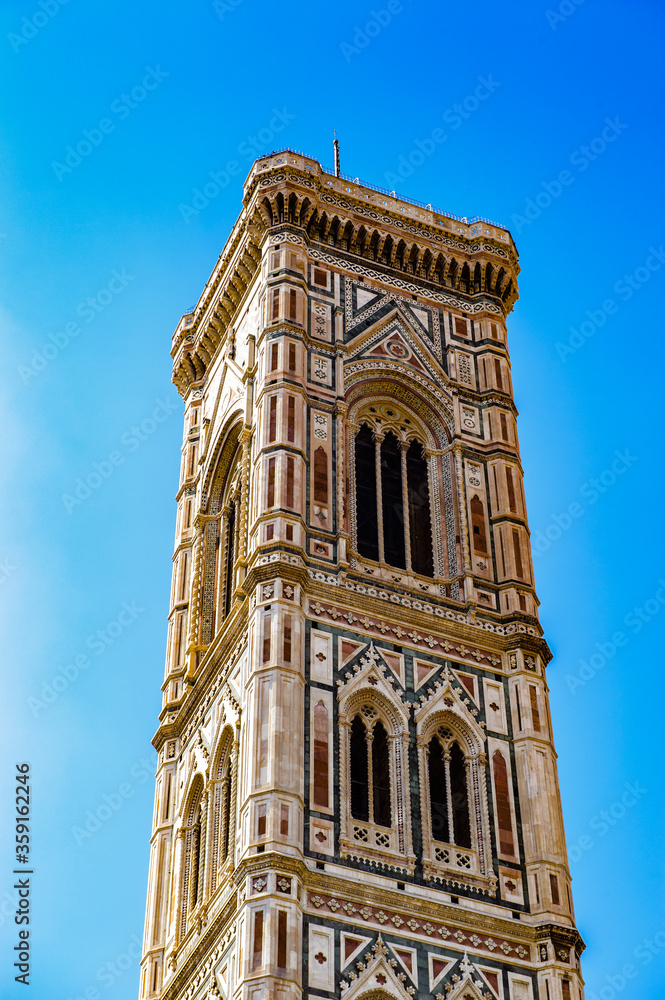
[460,327]
[287,639]
[196,858]
[518,553]
[275,304]
[504,821]
[284,821]
[554,888]
[459,797]
[504,426]
[272,419]
[271,482]
[321,755]
[281,939]
[230,555]
[320,277]
[226,816]
[419,515]
[291,419]
[438,792]
[290,475]
[274,357]
[497,374]
[289,532]
[293,305]
[366,498]
[257,951]
[359,775]
[511,490]
[292,357]
[320,476]
[478,524]
[535,714]
[381,776]
[270,532]
[393,510]
[266,639]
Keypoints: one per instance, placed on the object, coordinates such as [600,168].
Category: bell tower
[357,789]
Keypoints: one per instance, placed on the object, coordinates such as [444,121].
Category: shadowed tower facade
[357,788]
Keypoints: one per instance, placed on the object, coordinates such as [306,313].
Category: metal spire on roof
[336,147]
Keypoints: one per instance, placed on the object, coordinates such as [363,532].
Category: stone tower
[357,787]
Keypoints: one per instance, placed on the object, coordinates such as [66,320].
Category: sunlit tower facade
[357,788]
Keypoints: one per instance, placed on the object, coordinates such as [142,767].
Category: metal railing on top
[391,194]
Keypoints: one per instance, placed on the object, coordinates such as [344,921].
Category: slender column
[378,438]
[403,447]
[370,776]
[195,596]
[178,883]
[449,797]
[246,437]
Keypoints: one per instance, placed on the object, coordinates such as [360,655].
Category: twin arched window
[449,793]
[370,756]
[392,502]
[207,835]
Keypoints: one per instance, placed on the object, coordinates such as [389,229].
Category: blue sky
[102,256]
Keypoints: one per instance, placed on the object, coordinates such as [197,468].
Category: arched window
[419,517]
[393,502]
[366,511]
[370,754]
[229,556]
[359,771]
[221,841]
[194,855]
[383,531]
[221,540]
[449,796]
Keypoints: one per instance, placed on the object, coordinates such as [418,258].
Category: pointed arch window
[393,519]
[194,856]
[449,794]
[370,756]
[222,796]
[420,526]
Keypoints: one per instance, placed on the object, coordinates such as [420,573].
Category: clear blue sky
[79,376]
